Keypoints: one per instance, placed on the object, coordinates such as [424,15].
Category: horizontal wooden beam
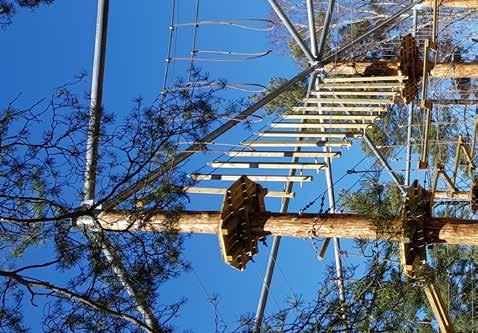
[330,117]
[305,154]
[222,191]
[450,195]
[455,70]
[320,125]
[267,165]
[377,101]
[258,178]
[364,79]
[296,143]
[437,230]
[355,93]
[454,3]
[440,70]
[341,108]
[392,86]
[302,134]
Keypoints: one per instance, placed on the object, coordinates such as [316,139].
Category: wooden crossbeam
[355,93]
[394,86]
[283,143]
[341,108]
[259,178]
[305,154]
[321,125]
[222,191]
[303,134]
[365,79]
[267,165]
[330,117]
[366,101]
[450,195]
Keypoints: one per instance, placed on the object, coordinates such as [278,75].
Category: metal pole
[325,29]
[96,107]
[384,162]
[96,102]
[311,18]
[410,119]
[261,305]
[155,174]
[290,27]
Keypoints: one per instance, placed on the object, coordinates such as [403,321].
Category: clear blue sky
[47,48]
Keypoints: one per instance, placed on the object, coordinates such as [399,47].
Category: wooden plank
[354,93]
[281,143]
[320,125]
[396,86]
[259,178]
[267,165]
[222,191]
[297,134]
[330,117]
[364,79]
[450,195]
[305,154]
[341,108]
[366,101]
[439,309]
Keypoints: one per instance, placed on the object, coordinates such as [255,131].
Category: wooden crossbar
[222,191]
[305,154]
[258,178]
[450,195]
[376,101]
[281,143]
[341,108]
[296,134]
[267,165]
[363,86]
[355,93]
[320,125]
[365,79]
[330,117]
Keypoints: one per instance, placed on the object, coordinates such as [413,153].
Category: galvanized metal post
[384,162]
[410,119]
[325,29]
[290,27]
[311,20]
[96,107]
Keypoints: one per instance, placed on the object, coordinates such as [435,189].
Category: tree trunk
[443,70]
[437,230]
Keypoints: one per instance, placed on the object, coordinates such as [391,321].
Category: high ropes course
[409,72]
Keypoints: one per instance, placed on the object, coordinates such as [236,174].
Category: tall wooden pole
[440,70]
[437,230]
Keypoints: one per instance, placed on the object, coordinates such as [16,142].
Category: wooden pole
[441,70]
[453,3]
[437,230]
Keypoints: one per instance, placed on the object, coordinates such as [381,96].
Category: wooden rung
[330,117]
[363,86]
[364,79]
[355,93]
[257,178]
[222,191]
[305,154]
[377,101]
[297,134]
[320,125]
[267,165]
[296,143]
[341,108]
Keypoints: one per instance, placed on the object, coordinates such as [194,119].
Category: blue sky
[46,48]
